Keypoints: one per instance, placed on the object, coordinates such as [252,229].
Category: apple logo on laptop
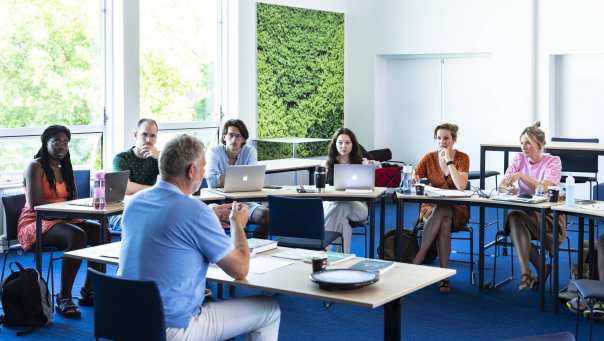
[245,178]
[354,177]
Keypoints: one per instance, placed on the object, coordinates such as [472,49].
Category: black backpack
[25,299]
[407,245]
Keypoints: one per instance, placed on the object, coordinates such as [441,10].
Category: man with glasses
[140,160]
[235,152]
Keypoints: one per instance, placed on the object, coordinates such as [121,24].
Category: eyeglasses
[234,135]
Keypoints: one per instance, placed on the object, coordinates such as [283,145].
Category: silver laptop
[347,176]
[115,189]
[247,178]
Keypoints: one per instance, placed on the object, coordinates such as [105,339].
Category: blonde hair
[178,155]
[535,134]
[452,128]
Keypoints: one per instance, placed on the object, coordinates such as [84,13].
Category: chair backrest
[12,210]
[296,217]
[82,182]
[126,309]
[380,154]
[573,161]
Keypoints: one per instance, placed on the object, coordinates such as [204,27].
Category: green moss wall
[300,77]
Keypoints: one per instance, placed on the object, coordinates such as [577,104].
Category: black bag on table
[25,299]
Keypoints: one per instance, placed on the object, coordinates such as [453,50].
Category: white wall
[492,98]
[488,76]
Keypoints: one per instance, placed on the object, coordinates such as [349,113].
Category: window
[51,72]
[50,69]
[178,60]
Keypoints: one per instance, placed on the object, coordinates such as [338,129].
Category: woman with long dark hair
[344,148]
[49,179]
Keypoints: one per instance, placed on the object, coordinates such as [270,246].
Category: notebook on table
[515,198]
[353,177]
[248,178]
[115,189]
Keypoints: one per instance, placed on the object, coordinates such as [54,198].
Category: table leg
[382,218]
[38,253]
[481,220]
[371,228]
[393,313]
[580,249]
[592,268]
[400,204]
[483,154]
[104,224]
[311,176]
[556,262]
[542,260]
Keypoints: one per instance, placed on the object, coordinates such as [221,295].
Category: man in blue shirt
[171,238]
[234,151]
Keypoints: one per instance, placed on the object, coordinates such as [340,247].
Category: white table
[403,279]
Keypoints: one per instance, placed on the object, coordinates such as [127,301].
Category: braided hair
[65,163]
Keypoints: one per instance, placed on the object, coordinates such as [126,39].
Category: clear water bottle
[406,173]
[570,190]
[539,190]
[99,191]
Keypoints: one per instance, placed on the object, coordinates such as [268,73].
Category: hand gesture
[223,212]
[239,215]
[150,151]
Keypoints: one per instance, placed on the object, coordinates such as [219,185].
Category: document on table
[449,193]
[258,265]
[296,254]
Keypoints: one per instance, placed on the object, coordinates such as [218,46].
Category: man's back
[170,238]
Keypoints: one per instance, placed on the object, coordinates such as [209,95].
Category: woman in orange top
[49,179]
[445,168]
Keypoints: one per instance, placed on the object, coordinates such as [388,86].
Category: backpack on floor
[25,299]
[407,245]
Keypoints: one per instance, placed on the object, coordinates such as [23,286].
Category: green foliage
[45,71]
[300,77]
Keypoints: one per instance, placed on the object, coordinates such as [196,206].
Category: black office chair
[299,223]
[578,162]
[592,291]
[12,210]
[82,182]
[126,309]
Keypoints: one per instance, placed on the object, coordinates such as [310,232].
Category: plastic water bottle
[406,172]
[99,191]
[539,190]
[570,190]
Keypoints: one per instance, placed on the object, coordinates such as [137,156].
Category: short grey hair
[178,154]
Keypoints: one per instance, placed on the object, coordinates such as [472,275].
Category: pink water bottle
[99,191]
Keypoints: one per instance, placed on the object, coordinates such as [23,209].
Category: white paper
[258,265]
[296,254]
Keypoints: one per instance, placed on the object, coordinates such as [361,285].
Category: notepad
[258,245]
[448,193]
[373,265]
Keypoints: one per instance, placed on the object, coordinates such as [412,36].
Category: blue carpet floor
[464,314]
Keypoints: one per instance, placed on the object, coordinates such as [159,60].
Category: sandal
[526,282]
[443,286]
[86,298]
[67,308]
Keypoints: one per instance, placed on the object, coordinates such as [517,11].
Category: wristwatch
[449,163]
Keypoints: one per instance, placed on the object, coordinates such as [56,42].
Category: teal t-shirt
[142,171]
